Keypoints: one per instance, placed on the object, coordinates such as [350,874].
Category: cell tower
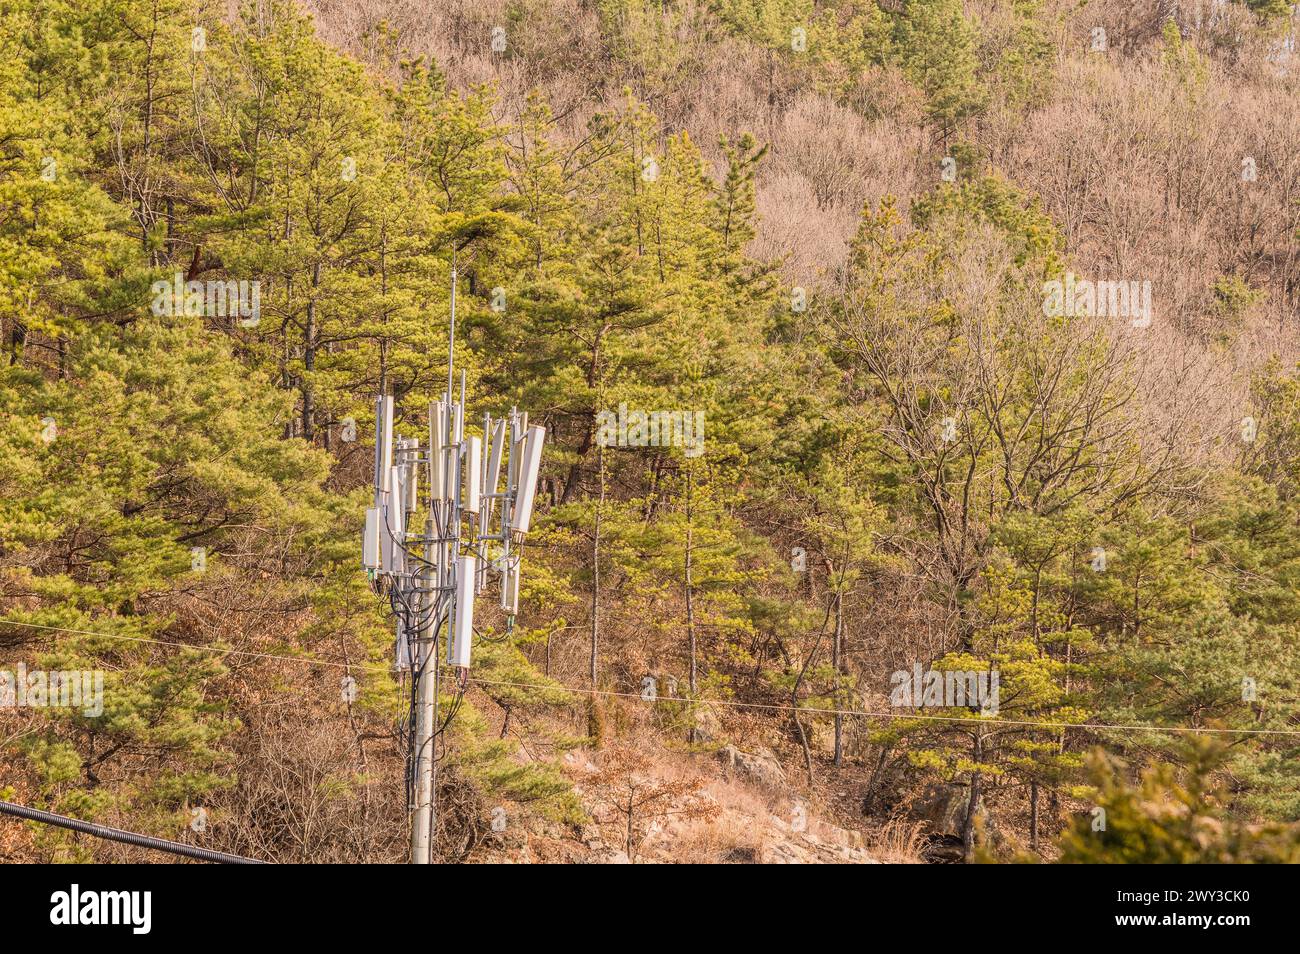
[447,522]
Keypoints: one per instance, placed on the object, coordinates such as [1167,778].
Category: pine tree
[936,47]
[1171,817]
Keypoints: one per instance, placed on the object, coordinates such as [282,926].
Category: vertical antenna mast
[430,566]
[451,334]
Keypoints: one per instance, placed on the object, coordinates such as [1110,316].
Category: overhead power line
[126,837]
[220,650]
[764,706]
[816,710]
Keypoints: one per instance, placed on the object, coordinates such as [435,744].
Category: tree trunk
[631,832]
[1033,816]
[690,598]
[690,617]
[972,804]
[309,361]
[835,665]
[595,573]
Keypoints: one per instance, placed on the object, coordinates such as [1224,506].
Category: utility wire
[206,649]
[812,710]
[126,837]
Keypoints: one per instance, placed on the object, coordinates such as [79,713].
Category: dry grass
[899,841]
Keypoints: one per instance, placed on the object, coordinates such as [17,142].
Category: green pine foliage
[182,489]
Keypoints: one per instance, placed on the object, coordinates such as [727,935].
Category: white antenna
[473,475]
[386,441]
[522,513]
[438,442]
[370,542]
[493,463]
[458,647]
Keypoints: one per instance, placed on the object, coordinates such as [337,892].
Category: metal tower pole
[423,819]
[440,552]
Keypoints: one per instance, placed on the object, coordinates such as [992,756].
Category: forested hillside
[982,318]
